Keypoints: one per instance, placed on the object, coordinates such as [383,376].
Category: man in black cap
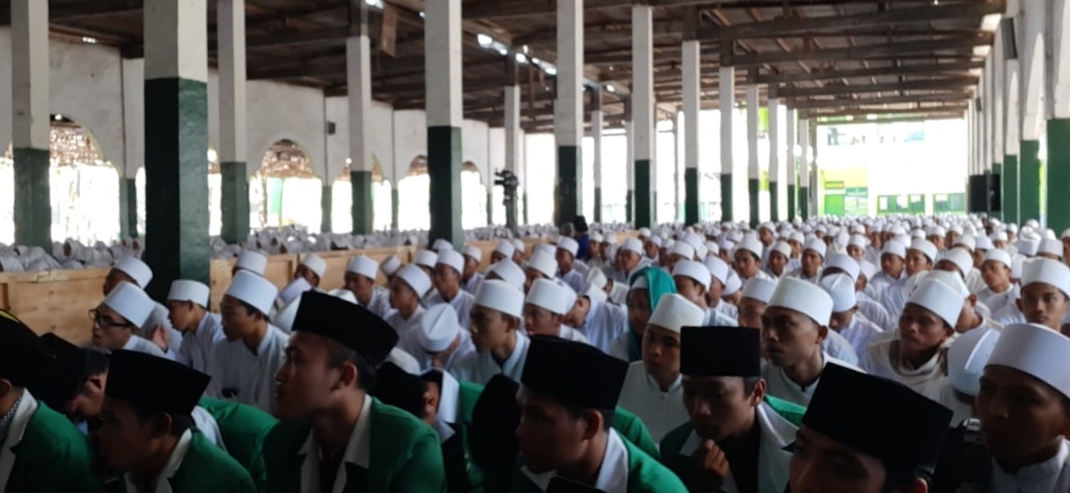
[146,429]
[735,440]
[567,397]
[890,448]
[40,451]
[333,435]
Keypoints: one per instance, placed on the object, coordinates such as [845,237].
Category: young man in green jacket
[147,431]
[242,429]
[40,450]
[567,396]
[332,432]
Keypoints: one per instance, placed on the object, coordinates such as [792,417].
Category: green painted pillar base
[525,195]
[490,208]
[791,202]
[234,206]
[128,207]
[176,182]
[597,204]
[752,191]
[33,207]
[1010,188]
[629,206]
[1029,182]
[444,171]
[394,206]
[326,206]
[986,202]
[726,198]
[774,202]
[644,195]
[804,202]
[691,209]
[996,210]
[567,188]
[1058,181]
[363,204]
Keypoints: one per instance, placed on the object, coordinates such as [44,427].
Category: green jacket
[208,468]
[645,475]
[632,429]
[243,429]
[405,455]
[52,456]
[787,410]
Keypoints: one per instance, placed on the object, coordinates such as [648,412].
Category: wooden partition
[59,301]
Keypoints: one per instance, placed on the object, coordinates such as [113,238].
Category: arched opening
[342,200]
[83,187]
[414,197]
[473,197]
[285,190]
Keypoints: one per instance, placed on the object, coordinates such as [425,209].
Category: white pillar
[597,128]
[753,173]
[512,128]
[1031,66]
[568,110]
[790,164]
[1058,61]
[692,101]
[727,88]
[804,168]
[773,105]
[233,135]
[443,77]
[999,67]
[644,117]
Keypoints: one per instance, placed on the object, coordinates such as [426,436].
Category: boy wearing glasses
[117,321]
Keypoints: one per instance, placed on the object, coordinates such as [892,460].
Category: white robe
[860,333]
[894,298]
[876,313]
[715,317]
[798,274]
[974,282]
[727,309]
[570,334]
[780,386]
[573,279]
[1050,476]
[380,302]
[839,347]
[618,294]
[411,345]
[776,434]
[402,326]
[472,284]
[878,361]
[941,391]
[661,412]
[197,346]
[604,323]
[240,376]
[479,368]
[1009,314]
[996,302]
[461,303]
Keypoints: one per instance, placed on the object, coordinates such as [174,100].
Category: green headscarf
[658,283]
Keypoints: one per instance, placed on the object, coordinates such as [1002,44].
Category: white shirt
[239,375]
[860,333]
[573,279]
[839,347]
[142,345]
[661,412]
[727,309]
[402,326]
[877,314]
[894,298]
[379,303]
[1050,476]
[1009,314]
[612,474]
[941,391]
[781,386]
[569,334]
[974,281]
[402,359]
[208,426]
[878,361]
[174,461]
[603,323]
[358,452]
[197,345]
[461,303]
[618,294]
[473,283]
[798,274]
[776,434]
[715,317]
[998,301]
[479,368]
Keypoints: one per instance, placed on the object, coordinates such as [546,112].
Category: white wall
[382,137]
[280,111]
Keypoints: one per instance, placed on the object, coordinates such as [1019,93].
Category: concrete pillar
[727,88]
[233,138]
[326,206]
[568,110]
[1031,86]
[629,137]
[994,160]
[31,123]
[127,207]
[394,205]
[445,113]
[1011,142]
[753,173]
[791,163]
[692,100]
[512,143]
[359,82]
[176,142]
[643,123]
[804,169]
[678,203]
[773,106]
[1058,113]
[984,163]
[597,127]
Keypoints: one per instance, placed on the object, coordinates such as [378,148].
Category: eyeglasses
[104,323]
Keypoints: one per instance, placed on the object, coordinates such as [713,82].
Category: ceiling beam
[802,104]
[90,10]
[858,52]
[896,119]
[942,84]
[833,73]
[956,107]
[895,17]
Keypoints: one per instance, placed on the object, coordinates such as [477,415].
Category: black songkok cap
[400,389]
[59,381]
[574,373]
[22,353]
[899,426]
[720,352]
[348,323]
[153,383]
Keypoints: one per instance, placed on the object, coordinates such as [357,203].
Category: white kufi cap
[416,278]
[500,296]
[1037,351]
[390,265]
[550,295]
[759,289]
[254,290]
[137,270]
[252,261]
[452,260]
[193,291]
[568,244]
[473,252]
[967,357]
[841,287]
[675,312]
[131,303]
[426,258]
[510,273]
[362,265]
[693,270]
[804,297]
[844,262]
[940,298]
[544,263]
[1047,271]
[315,264]
[437,328]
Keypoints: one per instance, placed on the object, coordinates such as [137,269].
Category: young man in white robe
[566,260]
[438,341]
[471,277]
[545,308]
[793,327]
[1045,294]
[813,256]
[734,440]
[409,286]
[999,291]
[361,272]
[593,316]
[542,265]
[692,279]
[892,258]
[243,367]
[720,273]
[133,270]
[920,257]
[447,281]
[117,321]
[845,320]
[187,304]
[498,335]
[652,388]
